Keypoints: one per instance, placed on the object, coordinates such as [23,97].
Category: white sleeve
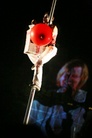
[27,41]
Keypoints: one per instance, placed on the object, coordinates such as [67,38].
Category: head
[74,73]
[46,18]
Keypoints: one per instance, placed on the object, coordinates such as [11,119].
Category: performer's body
[40,55]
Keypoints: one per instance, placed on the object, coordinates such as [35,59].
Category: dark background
[73,19]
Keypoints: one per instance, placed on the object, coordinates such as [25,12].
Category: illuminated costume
[40,55]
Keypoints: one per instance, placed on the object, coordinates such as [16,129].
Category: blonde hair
[69,65]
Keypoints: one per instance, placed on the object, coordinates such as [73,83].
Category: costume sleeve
[27,42]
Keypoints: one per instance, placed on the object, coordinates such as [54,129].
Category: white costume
[39,55]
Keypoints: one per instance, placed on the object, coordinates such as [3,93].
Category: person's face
[72,78]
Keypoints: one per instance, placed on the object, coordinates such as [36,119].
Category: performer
[40,55]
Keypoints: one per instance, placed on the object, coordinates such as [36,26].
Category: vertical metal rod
[52,10]
[29,105]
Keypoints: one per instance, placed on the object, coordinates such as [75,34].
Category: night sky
[73,19]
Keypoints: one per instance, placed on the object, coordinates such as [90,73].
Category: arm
[54,35]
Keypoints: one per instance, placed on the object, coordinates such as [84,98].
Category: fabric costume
[41,54]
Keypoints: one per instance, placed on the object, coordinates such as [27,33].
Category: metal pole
[52,11]
[29,105]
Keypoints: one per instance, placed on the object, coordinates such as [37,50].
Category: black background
[73,19]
